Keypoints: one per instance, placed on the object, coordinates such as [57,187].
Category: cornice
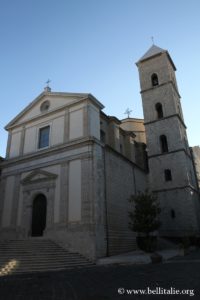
[165,118]
[176,188]
[51,151]
[170,152]
[160,85]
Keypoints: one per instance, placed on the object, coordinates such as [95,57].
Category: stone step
[24,256]
[36,254]
[42,262]
[32,250]
[31,265]
[42,258]
[29,246]
[23,253]
[30,256]
[45,269]
[28,253]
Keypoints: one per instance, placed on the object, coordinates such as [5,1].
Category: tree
[144,216]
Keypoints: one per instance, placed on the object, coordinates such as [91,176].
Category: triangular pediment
[38,176]
[54,100]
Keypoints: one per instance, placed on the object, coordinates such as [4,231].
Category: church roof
[153,51]
[78,96]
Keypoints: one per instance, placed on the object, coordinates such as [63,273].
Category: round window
[45,106]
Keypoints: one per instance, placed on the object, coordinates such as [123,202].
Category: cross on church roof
[128,112]
[47,82]
[47,87]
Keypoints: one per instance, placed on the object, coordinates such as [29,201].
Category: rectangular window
[168,175]
[44,137]
[102,136]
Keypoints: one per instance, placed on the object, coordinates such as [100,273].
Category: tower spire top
[152,51]
[152,38]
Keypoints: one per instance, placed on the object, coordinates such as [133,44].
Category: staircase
[36,255]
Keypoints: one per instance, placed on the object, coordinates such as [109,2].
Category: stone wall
[123,179]
[196,158]
[174,205]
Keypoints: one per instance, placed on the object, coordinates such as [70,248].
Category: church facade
[70,169]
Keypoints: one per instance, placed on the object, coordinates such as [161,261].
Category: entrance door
[39,215]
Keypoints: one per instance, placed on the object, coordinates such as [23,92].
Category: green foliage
[144,214]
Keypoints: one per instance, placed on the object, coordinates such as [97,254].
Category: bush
[144,219]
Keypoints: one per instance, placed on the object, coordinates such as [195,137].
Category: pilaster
[66,126]
[16,194]
[8,145]
[21,149]
[86,121]
[64,195]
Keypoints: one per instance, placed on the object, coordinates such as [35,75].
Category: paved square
[103,282]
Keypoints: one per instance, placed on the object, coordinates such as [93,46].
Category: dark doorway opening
[39,212]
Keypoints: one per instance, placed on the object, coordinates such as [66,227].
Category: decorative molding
[164,118]
[78,143]
[48,163]
[170,152]
[29,193]
[160,85]
[38,176]
[177,188]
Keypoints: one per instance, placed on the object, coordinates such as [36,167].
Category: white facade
[55,150]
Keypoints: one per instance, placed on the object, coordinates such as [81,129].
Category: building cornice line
[168,117]
[109,148]
[160,85]
[61,161]
[51,151]
[169,152]
[176,188]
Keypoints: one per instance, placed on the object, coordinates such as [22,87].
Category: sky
[91,46]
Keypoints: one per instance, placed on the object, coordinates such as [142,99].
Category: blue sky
[92,46]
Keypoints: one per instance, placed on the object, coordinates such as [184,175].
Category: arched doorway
[39,211]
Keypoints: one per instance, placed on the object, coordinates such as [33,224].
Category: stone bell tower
[171,171]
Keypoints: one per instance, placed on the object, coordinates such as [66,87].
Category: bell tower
[171,171]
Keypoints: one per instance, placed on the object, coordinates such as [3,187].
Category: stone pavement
[108,282]
[138,257]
